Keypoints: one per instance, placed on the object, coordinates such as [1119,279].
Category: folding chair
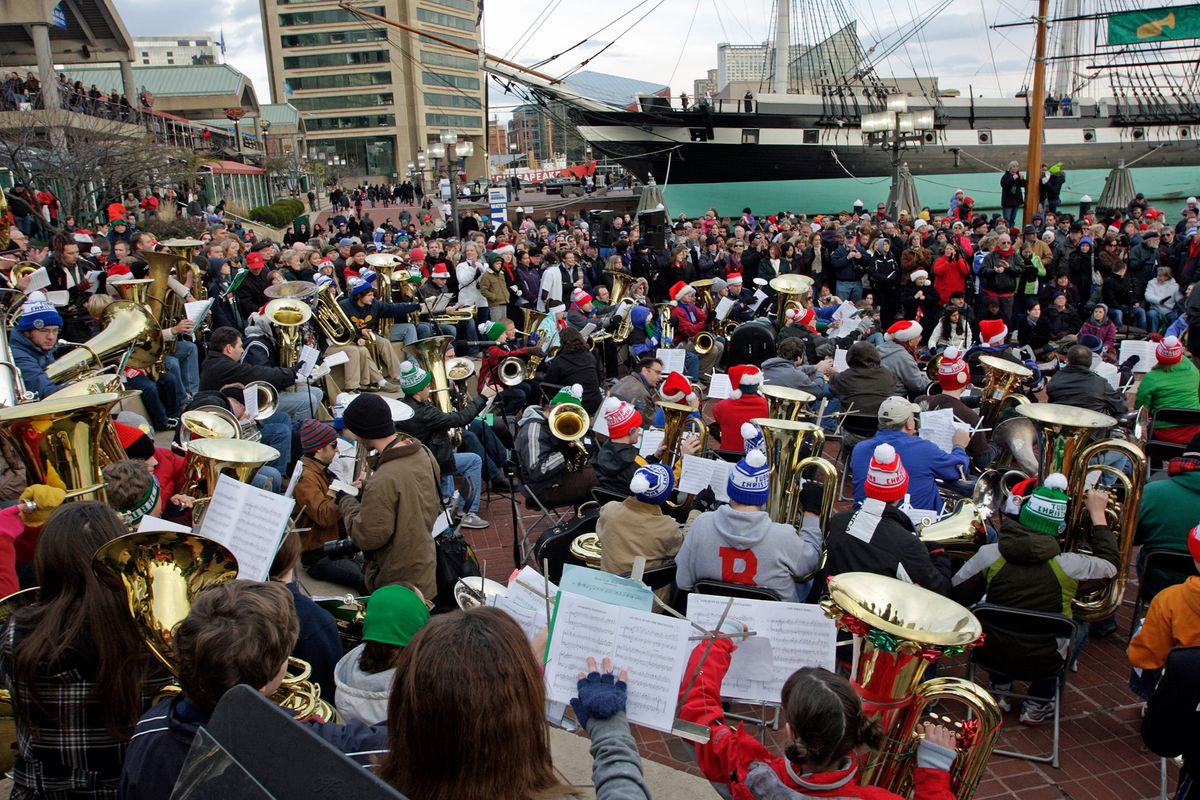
[548,391]
[856,427]
[1159,452]
[1012,637]
[732,456]
[553,516]
[1178,566]
[553,549]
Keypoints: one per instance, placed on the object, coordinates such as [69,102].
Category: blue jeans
[187,356]
[158,406]
[1137,317]
[277,432]
[691,366]
[1159,320]
[470,467]
[478,438]
[1009,214]
[404,332]
[301,403]
[851,291]
[268,478]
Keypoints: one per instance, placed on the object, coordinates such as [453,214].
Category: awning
[235,168]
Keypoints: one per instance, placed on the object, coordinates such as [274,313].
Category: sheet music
[654,648]
[725,305]
[38,279]
[250,401]
[696,474]
[788,636]
[149,523]
[600,423]
[438,303]
[335,359]
[343,464]
[719,386]
[588,330]
[672,360]
[306,362]
[250,522]
[197,310]
[530,619]
[1144,350]
[606,587]
[297,471]
[651,439]
[759,297]
[839,360]
[719,480]
[919,516]
[939,427]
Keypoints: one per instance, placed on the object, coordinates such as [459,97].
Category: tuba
[135,290]
[332,321]
[569,423]
[287,317]
[1000,388]
[12,385]
[208,422]
[165,305]
[131,338]
[678,420]
[624,328]
[533,321]
[511,370]
[786,403]
[430,355]
[904,628]
[791,292]
[209,459]
[187,250]
[385,264]
[787,442]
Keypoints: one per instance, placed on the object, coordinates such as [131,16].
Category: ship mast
[1037,114]
[783,48]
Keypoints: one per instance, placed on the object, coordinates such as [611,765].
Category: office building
[371,95]
[169,51]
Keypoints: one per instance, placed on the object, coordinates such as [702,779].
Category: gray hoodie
[747,547]
[362,695]
[910,380]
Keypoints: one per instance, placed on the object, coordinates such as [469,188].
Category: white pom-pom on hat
[610,404]
[756,458]
[483,327]
[408,366]
[639,484]
[951,353]
[748,430]
[1056,480]
[885,453]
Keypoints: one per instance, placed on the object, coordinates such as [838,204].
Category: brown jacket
[321,512]
[493,286]
[393,522]
[631,528]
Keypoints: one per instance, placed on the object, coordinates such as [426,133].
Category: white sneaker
[473,520]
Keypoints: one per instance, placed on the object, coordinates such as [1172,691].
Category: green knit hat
[394,615]
[1046,509]
[569,394]
[412,378]
[492,330]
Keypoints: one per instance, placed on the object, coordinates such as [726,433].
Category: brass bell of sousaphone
[902,629]
[791,292]
[783,402]
[794,449]
[130,336]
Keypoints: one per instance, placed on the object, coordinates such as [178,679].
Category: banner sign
[1157,25]
[538,175]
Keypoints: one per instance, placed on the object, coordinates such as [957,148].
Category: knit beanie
[752,437]
[572,394]
[1169,351]
[492,331]
[135,442]
[368,417]
[676,388]
[887,480]
[621,417]
[804,317]
[745,378]
[412,378]
[652,483]
[393,616]
[142,506]
[314,435]
[580,298]
[904,331]
[1046,509]
[38,314]
[750,480]
[952,370]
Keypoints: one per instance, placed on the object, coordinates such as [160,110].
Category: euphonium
[703,343]
[624,328]
[904,628]
[533,321]
[208,422]
[332,321]
[135,290]
[666,328]
[187,250]
[430,355]
[1000,389]
[385,264]
[787,443]
[511,371]
[678,420]
[165,305]
[569,423]
[287,317]
[783,402]
[131,336]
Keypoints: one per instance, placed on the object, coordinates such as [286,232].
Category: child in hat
[618,457]
[319,513]
[744,403]
[637,526]
[1173,619]
[501,337]
[740,543]
[954,378]
[1027,568]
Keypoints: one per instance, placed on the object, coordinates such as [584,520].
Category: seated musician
[954,379]
[503,336]
[1077,385]
[237,632]
[432,427]
[1027,568]
[166,466]
[636,526]
[224,366]
[319,514]
[33,341]
[581,311]
[555,471]
[1173,619]
[924,461]
[364,312]
[619,457]
[689,320]
[878,537]
[864,384]
[739,543]
[640,387]
[743,404]
[274,431]
[391,519]
[790,368]
[802,325]
[1173,382]
[360,372]
[575,365]
[431,293]
[643,335]
[550,329]
[742,297]
[899,355]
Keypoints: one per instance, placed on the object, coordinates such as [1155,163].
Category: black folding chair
[1157,569]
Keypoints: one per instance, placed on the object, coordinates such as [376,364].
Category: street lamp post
[450,148]
[894,128]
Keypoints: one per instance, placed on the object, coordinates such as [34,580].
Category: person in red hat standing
[744,404]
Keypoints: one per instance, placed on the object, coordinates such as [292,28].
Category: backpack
[455,560]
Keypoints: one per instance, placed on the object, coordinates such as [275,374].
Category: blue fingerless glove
[600,696]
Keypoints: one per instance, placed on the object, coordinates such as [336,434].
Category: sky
[676,43]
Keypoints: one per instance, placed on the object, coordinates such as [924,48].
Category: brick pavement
[1101,752]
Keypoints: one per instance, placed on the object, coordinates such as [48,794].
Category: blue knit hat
[638,315]
[750,480]
[652,483]
[38,314]
[366,283]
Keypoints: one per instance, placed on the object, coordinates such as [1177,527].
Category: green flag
[1157,25]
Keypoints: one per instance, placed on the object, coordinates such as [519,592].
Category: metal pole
[1037,116]
[452,165]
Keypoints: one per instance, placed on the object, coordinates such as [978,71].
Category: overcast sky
[660,49]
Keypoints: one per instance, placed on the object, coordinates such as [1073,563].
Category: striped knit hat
[314,435]
[887,480]
[412,378]
[1046,509]
[1169,351]
[492,330]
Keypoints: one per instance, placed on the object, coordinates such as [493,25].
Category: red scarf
[1004,253]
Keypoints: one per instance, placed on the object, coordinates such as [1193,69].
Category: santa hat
[1046,509]
[887,480]
[579,297]
[1169,351]
[805,317]
[904,331]
[134,441]
[750,480]
[952,370]
[621,417]
[752,437]
[744,375]
[440,270]
[676,388]
[652,483]
[918,275]
[680,289]
[734,279]
[993,332]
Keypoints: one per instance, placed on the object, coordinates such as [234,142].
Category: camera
[340,548]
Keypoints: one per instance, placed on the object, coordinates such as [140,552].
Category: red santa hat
[680,289]
[676,388]
[887,480]
[952,370]
[803,316]
[440,270]
[1169,351]
[993,332]
[621,417]
[746,375]
[904,331]
[733,278]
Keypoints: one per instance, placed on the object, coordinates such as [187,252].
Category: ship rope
[852,176]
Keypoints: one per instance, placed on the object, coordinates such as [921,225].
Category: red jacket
[17,546]
[169,472]
[492,356]
[685,328]
[731,754]
[730,414]
[950,276]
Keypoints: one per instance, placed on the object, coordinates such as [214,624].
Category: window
[457,39]
[812,137]
[202,43]
[446,60]
[450,121]
[170,54]
[170,61]
[343,123]
[365,155]
[750,136]
[343,101]
[447,20]
[442,80]
[327,17]
[461,5]
[339,81]
[182,43]
[451,100]
[348,59]
[145,54]
[145,61]
[332,37]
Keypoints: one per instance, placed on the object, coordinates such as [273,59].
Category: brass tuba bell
[783,402]
[569,423]
[131,337]
[794,448]
[209,459]
[430,355]
[287,317]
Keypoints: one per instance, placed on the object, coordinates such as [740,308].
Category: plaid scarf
[1188,462]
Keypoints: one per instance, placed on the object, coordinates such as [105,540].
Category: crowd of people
[560,320]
